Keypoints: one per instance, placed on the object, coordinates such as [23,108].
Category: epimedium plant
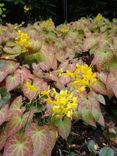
[50,76]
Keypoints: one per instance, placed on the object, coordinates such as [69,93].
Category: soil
[81,134]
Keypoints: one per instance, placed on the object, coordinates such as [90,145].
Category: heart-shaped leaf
[19,146]
[12,81]
[64,127]
[39,136]
[18,121]
[16,107]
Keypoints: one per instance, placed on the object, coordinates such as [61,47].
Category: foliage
[63,74]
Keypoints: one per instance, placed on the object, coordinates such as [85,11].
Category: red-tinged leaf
[102,77]
[114,88]
[3,137]
[101,56]
[89,42]
[2,75]
[12,81]
[64,80]
[100,88]
[11,66]
[40,84]
[111,80]
[24,74]
[39,136]
[3,114]
[64,127]
[16,107]
[53,134]
[18,145]
[52,76]
[18,121]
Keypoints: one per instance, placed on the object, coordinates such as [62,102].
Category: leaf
[3,114]
[95,114]
[102,77]
[12,81]
[100,88]
[101,99]
[114,88]
[19,146]
[30,93]
[11,66]
[91,146]
[39,136]
[2,75]
[89,42]
[53,134]
[87,115]
[16,122]
[3,137]
[102,56]
[4,96]
[16,107]
[64,127]
[106,151]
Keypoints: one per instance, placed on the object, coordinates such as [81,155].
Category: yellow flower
[82,77]
[26,9]
[30,87]
[23,40]
[62,104]
[47,24]
[63,29]
[99,18]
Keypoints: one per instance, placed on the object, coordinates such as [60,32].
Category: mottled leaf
[17,121]
[12,81]
[16,107]
[39,136]
[3,114]
[18,145]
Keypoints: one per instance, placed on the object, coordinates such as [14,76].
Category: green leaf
[95,114]
[64,127]
[101,99]
[106,151]
[91,146]
[4,96]
[86,115]
[19,146]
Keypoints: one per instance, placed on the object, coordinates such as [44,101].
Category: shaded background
[43,9]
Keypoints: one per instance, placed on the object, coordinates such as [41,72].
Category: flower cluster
[61,104]
[63,29]
[82,77]
[48,24]
[23,40]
